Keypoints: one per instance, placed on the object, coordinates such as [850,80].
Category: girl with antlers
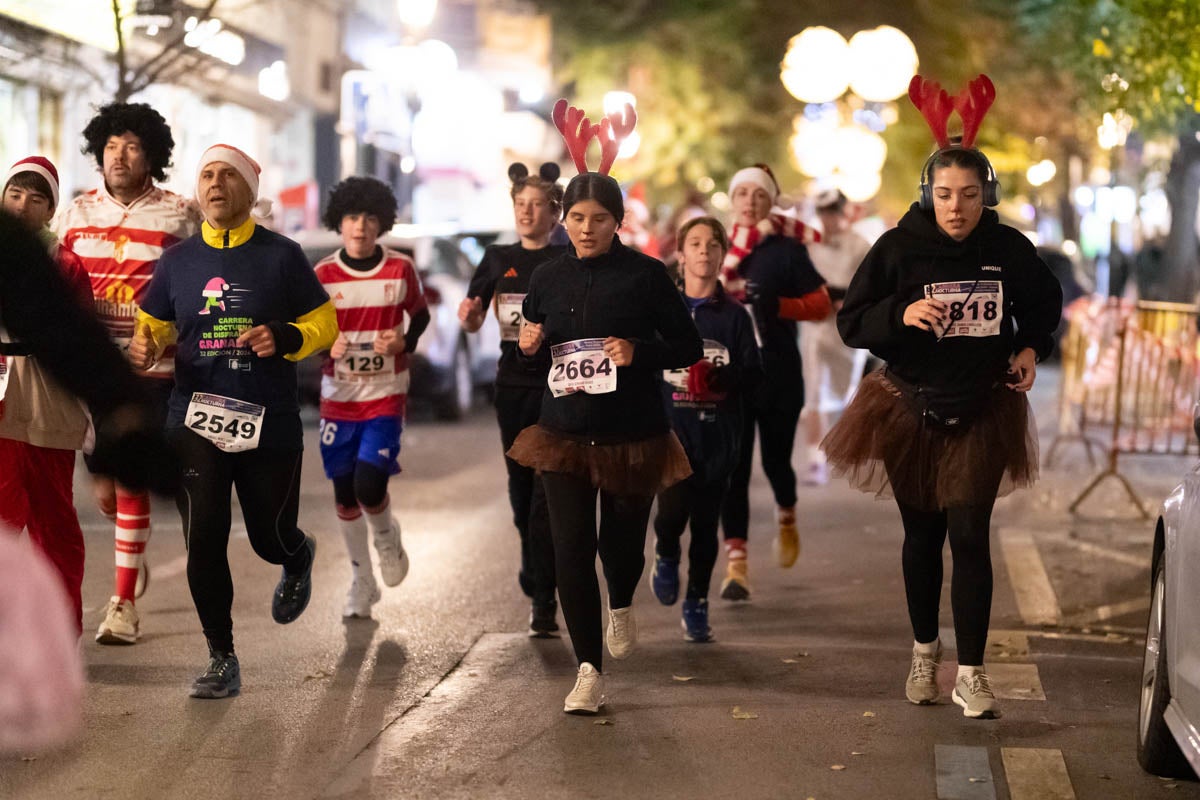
[961,308]
[504,274]
[612,321]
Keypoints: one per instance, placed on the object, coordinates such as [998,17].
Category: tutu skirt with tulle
[881,446]
[643,467]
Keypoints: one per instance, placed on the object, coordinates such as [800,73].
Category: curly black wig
[361,196]
[143,122]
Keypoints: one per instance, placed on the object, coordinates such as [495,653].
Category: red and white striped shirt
[119,245]
[363,384]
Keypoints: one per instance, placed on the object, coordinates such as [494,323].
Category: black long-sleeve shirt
[1007,299]
[628,295]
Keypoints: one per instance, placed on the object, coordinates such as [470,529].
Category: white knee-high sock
[354,534]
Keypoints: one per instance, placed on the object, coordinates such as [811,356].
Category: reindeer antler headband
[577,130]
[972,104]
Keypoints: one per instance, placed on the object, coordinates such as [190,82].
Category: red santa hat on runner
[761,177]
[41,166]
[245,166]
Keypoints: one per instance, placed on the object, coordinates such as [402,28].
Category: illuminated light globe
[882,62]
[814,69]
[859,187]
[814,147]
[859,150]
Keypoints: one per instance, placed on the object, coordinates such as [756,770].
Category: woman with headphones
[961,308]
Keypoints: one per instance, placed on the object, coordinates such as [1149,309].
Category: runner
[234,416]
[120,230]
[831,370]
[706,402]
[364,390]
[768,268]
[962,309]
[41,424]
[503,275]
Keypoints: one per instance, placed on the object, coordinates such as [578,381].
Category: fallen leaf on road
[838,767]
[868,713]
[29,759]
[602,722]
[977,780]
[316,676]
[856,753]
[683,678]
[790,660]
[737,713]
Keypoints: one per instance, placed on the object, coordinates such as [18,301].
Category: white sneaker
[621,635]
[364,593]
[588,694]
[143,579]
[921,688]
[974,693]
[393,561]
[120,624]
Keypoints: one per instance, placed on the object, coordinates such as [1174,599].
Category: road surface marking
[963,773]
[1016,681]
[1110,553]
[1035,596]
[1107,612]
[1036,774]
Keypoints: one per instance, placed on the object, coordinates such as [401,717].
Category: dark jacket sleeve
[872,315]
[678,343]
[1038,307]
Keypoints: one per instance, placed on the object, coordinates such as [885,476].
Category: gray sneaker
[974,693]
[921,688]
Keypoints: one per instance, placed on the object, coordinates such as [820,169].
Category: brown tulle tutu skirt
[881,446]
[643,467]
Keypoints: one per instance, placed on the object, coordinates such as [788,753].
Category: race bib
[361,362]
[3,376]
[231,425]
[976,307]
[508,312]
[581,366]
[714,351]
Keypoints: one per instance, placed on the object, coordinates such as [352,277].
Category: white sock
[381,521]
[967,671]
[354,534]
[927,649]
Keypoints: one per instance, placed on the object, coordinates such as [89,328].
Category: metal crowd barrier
[1130,381]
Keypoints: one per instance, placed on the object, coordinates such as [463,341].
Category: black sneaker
[292,593]
[542,622]
[223,678]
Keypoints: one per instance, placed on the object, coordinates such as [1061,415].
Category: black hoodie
[1001,281]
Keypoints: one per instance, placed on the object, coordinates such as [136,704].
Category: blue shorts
[373,441]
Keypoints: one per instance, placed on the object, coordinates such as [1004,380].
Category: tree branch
[121,94]
[170,47]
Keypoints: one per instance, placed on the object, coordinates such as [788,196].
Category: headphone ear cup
[925,202]
[991,193]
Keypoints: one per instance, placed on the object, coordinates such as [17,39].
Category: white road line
[1016,681]
[1036,599]
[1036,774]
[1107,612]
[963,773]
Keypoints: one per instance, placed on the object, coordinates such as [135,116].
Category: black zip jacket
[778,267]
[711,431]
[506,269]
[916,254]
[628,295]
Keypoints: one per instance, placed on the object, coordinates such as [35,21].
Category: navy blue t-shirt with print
[212,295]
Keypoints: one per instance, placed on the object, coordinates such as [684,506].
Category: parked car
[449,364]
[1169,711]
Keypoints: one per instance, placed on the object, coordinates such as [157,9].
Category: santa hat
[761,177]
[246,166]
[40,166]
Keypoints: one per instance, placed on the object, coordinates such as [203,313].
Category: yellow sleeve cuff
[319,330]
[161,332]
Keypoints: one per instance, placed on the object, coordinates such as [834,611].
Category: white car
[1169,711]
[449,365]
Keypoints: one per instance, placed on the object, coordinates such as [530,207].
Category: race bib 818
[976,307]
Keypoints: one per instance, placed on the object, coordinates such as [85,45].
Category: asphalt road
[443,695]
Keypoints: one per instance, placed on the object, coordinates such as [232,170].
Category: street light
[882,63]
[416,14]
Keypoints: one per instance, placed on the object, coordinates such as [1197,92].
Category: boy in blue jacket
[705,403]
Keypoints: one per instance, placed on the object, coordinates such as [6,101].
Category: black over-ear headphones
[991,186]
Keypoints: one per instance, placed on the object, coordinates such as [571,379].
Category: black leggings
[268,488]
[701,503]
[777,435]
[970,585]
[620,543]
[517,408]
[366,486]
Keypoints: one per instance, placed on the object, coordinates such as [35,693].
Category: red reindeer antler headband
[577,130]
[972,104]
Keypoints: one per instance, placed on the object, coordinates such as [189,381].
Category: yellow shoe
[787,544]
[736,585]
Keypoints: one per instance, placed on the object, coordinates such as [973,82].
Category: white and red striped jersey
[364,384]
[119,245]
